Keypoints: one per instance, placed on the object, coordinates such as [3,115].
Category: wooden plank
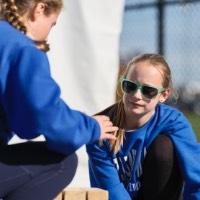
[59,197]
[97,194]
[75,194]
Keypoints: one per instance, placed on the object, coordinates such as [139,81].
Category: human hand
[107,128]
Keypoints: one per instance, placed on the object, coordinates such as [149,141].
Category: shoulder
[30,61]
[30,52]
[166,114]
[11,35]
[165,110]
[13,42]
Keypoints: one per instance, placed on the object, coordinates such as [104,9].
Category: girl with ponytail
[155,155]
[30,106]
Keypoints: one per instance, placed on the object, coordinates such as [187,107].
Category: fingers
[108,136]
[101,117]
[111,129]
[105,118]
[107,128]
[108,123]
[109,133]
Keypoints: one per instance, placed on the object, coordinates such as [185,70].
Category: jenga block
[97,194]
[59,197]
[75,194]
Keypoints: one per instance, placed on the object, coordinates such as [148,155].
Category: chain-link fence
[171,28]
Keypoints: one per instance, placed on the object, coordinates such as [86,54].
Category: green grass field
[195,120]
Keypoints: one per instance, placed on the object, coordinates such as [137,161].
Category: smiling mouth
[135,104]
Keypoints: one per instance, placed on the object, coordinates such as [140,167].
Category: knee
[69,167]
[162,148]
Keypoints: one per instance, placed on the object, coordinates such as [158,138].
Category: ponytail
[118,120]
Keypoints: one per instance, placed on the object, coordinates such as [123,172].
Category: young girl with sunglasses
[156,154]
[30,105]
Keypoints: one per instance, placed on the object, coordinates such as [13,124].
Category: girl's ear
[39,9]
[164,96]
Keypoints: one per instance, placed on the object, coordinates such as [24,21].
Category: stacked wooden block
[83,194]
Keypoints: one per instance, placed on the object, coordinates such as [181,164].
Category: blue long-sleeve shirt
[105,168]
[30,103]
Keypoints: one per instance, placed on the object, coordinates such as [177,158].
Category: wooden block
[75,194]
[59,197]
[97,194]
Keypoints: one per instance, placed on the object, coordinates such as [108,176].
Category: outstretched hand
[107,128]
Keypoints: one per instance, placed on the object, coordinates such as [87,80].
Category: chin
[136,112]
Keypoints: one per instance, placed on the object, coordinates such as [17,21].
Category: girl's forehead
[144,68]
[145,72]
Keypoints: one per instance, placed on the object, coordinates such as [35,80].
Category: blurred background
[171,28]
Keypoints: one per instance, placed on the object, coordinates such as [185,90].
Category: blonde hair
[13,10]
[158,62]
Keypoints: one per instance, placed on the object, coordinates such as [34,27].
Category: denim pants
[29,171]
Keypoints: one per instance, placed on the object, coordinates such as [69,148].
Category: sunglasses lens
[149,92]
[128,87]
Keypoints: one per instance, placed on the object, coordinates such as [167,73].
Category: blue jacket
[105,172]
[30,103]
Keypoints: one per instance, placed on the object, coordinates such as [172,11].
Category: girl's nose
[138,94]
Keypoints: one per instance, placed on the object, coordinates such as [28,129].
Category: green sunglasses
[130,87]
